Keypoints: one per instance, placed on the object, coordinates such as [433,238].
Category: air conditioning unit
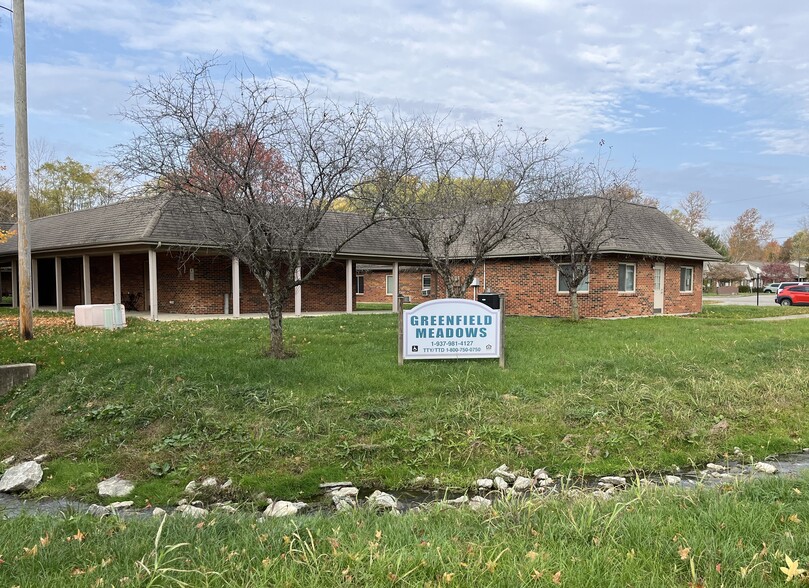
[425,292]
[406,299]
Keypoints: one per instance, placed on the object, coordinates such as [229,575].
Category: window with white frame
[360,289]
[426,283]
[626,277]
[561,280]
[686,279]
[389,285]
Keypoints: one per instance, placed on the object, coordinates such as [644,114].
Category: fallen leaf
[531,555]
[684,552]
[792,570]
[557,577]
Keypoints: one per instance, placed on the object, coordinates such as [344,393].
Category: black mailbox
[490,300]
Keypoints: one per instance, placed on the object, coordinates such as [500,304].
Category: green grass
[731,311]
[167,402]
[736,536]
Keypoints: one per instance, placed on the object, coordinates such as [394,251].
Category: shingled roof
[632,229]
[635,229]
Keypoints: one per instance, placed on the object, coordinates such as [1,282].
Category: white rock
[715,467]
[345,498]
[381,499]
[500,484]
[546,483]
[436,482]
[21,477]
[9,460]
[158,512]
[227,508]
[226,484]
[209,482]
[485,483]
[181,502]
[115,487]
[458,501]
[765,468]
[41,457]
[99,511]
[191,487]
[646,483]
[603,494]
[614,480]
[504,473]
[479,503]
[282,508]
[541,474]
[673,480]
[523,484]
[191,512]
[120,505]
[329,485]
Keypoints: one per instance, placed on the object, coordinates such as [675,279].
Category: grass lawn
[167,402]
[361,306]
[737,536]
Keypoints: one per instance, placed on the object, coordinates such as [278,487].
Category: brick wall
[409,285]
[530,286]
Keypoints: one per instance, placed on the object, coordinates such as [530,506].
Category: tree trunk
[276,304]
[574,305]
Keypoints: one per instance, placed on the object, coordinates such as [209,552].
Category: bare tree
[571,227]
[746,236]
[259,164]
[467,196]
[692,212]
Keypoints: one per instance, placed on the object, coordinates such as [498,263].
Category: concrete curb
[15,374]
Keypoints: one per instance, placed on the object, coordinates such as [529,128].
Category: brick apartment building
[146,254]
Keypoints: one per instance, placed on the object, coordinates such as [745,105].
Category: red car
[793,295]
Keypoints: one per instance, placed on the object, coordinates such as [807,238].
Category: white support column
[57,264]
[235,277]
[85,264]
[15,296]
[34,284]
[116,278]
[153,284]
[298,293]
[349,285]
[395,286]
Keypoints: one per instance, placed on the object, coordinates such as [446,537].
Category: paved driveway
[743,300]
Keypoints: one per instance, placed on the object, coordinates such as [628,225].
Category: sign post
[400,312]
[503,331]
[452,328]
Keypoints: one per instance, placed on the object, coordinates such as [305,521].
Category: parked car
[793,295]
[771,288]
[783,285]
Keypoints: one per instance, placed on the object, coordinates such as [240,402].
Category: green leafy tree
[712,239]
[68,185]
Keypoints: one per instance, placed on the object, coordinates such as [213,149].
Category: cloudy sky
[698,95]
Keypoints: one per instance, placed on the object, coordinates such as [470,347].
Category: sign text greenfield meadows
[451,328]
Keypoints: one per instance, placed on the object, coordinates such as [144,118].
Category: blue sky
[710,96]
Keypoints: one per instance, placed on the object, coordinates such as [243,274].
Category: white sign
[451,328]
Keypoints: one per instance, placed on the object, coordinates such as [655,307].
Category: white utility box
[109,316]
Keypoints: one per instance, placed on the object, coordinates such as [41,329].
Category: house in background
[147,255]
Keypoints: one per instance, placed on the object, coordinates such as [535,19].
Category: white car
[771,288]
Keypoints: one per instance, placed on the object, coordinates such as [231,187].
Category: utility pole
[23,190]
